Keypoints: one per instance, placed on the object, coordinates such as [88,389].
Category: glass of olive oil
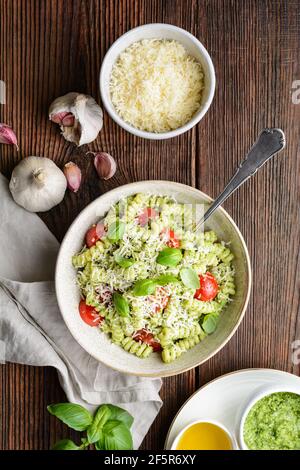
[204,435]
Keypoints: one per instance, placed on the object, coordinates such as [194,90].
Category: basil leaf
[65,444]
[123,262]
[169,257]
[116,436]
[210,323]
[165,279]
[100,444]
[121,415]
[73,415]
[117,414]
[116,230]
[190,278]
[121,304]
[101,417]
[144,287]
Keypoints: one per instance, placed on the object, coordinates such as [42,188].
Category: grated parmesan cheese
[156,85]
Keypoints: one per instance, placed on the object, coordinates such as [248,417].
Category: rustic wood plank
[50,47]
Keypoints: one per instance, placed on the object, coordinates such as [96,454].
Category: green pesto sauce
[273,423]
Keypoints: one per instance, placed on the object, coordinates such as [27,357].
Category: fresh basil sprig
[190,278]
[108,429]
[116,230]
[123,262]
[121,304]
[169,257]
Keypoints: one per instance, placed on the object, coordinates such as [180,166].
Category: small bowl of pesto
[271,421]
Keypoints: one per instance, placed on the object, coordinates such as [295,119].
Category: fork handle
[268,143]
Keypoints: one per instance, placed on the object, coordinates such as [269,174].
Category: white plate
[225,398]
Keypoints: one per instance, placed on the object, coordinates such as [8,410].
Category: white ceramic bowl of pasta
[98,344]
[159,31]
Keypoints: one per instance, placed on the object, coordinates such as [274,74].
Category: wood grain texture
[50,47]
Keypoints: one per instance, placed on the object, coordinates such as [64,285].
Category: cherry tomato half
[208,287]
[89,315]
[94,233]
[173,241]
[147,214]
[146,337]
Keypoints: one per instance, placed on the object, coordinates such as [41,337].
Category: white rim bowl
[262,392]
[209,421]
[162,31]
[96,343]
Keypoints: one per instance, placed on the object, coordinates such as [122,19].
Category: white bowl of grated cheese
[157,81]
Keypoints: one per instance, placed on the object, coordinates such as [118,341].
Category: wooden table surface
[50,47]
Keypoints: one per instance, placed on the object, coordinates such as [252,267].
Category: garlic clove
[64,119]
[105,165]
[7,135]
[73,176]
[79,116]
[90,117]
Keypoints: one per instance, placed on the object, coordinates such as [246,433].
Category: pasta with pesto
[149,281]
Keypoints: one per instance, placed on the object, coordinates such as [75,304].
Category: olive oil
[204,436]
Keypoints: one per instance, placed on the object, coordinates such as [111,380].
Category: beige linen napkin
[33,332]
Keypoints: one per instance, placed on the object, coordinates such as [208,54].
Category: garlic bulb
[37,184]
[79,116]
